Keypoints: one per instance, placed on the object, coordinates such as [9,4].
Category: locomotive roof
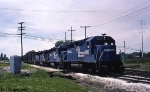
[64,46]
[100,37]
[76,42]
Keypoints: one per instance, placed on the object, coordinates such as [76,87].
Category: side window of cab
[87,45]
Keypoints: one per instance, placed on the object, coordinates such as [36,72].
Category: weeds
[39,74]
[4,64]
[26,66]
[38,81]
[139,64]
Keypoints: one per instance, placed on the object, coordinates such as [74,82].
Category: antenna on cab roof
[104,34]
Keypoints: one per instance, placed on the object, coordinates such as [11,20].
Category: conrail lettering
[109,49]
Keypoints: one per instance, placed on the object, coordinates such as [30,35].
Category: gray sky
[120,19]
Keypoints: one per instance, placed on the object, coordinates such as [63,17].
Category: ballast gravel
[109,83]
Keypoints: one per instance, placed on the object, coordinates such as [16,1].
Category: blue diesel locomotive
[97,53]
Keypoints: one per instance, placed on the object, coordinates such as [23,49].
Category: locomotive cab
[101,52]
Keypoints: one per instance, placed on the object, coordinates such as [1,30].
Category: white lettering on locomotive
[56,55]
[69,51]
[109,49]
[78,49]
[82,54]
[86,52]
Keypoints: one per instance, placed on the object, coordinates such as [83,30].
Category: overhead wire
[69,11]
[64,3]
[82,10]
[75,15]
[119,18]
[124,15]
[10,39]
[48,6]
[109,21]
[134,8]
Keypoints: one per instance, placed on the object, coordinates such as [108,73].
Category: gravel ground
[4,69]
[109,84]
[7,69]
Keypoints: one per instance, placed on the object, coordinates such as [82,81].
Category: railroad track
[137,73]
[133,79]
[131,76]
[134,76]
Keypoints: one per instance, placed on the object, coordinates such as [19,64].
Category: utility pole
[71,32]
[142,36]
[85,29]
[124,51]
[65,36]
[21,28]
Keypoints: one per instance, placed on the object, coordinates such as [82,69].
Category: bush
[133,66]
[137,60]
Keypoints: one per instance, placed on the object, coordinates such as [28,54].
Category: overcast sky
[50,19]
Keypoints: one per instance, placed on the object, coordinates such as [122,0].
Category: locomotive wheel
[65,66]
[43,63]
[68,65]
[85,67]
[58,66]
[61,64]
[102,71]
[93,68]
[48,64]
[55,65]
[119,70]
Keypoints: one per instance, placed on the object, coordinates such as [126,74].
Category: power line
[122,17]
[27,35]
[124,11]
[128,10]
[50,6]
[62,11]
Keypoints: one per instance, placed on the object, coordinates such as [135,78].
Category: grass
[138,64]
[4,64]
[38,81]
[26,66]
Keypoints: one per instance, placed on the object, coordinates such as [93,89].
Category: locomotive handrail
[64,56]
[101,55]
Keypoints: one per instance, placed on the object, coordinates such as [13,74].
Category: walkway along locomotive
[97,53]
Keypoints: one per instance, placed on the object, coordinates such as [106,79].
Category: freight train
[96,53]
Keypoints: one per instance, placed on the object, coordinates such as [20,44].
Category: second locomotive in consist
[97,53]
